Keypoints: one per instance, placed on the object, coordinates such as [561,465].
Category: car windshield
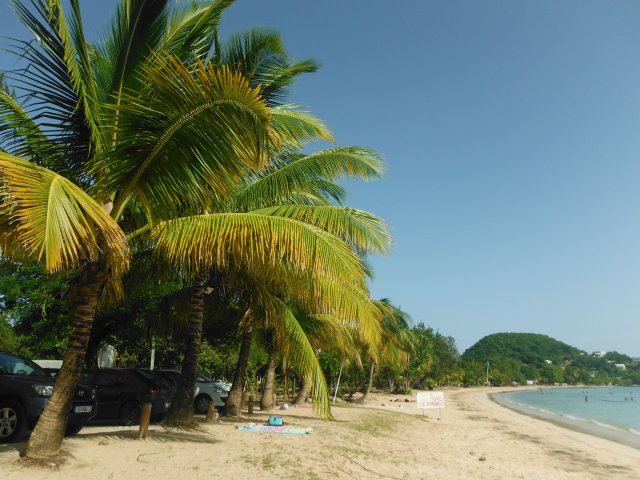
[10,365]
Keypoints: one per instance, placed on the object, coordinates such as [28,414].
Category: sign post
[429,400]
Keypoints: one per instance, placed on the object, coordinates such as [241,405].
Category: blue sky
[511,135]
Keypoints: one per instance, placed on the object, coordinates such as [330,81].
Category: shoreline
[582,426]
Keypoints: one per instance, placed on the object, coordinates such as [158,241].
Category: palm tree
[91,166]
[260,56]
[397,342]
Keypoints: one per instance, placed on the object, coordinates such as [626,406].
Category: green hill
[527,348]
[523,357]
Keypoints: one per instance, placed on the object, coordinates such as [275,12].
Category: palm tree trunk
[266,401]
[233,406]
[368,389]
[46,439]
[303,393]
[181,411]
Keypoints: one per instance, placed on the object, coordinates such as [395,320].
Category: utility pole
[488,384]
[153,353]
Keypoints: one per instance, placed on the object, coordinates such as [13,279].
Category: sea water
[610,412]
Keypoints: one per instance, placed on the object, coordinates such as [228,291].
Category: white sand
[475,439]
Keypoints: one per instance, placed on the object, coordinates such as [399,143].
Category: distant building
[598,354]
[621,366]
[548,362]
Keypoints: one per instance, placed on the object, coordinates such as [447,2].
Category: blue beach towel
[259,427]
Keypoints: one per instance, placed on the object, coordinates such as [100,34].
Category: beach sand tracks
[576,459]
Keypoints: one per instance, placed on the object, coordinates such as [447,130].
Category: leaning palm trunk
[233,406]
[369,384]
[303,393]
[181,411]
[266,401]
[46,439]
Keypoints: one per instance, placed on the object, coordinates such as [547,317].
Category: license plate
[83,409]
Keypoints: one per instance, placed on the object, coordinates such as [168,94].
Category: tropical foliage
[160,141]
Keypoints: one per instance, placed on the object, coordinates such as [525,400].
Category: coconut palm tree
[260,56]
[171,133]
[293,178]
[397,342]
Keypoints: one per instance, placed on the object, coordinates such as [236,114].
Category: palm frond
[364,231]
[197,243]
[260,55]
[45,216]
[296,349]
[136,30]
[298,172]
[19,134]
[297,127]
[192,29]
[195,131]
[57,84]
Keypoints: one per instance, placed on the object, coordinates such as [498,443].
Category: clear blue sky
[511,131]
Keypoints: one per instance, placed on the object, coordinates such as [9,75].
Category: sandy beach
[475,438]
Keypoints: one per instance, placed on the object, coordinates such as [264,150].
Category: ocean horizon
[607,412]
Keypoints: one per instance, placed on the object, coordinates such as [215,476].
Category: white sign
[430,399]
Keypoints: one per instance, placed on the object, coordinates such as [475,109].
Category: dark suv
[24,391]
[122,391]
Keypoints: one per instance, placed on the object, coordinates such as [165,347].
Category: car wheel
[130,413]
[202,403]
[12,421]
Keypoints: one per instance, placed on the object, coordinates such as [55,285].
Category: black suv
[25,389]
[122,391]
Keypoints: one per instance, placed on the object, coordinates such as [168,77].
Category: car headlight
[44,390]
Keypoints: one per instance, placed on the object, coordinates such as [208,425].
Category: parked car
[120,393]
[25,390]
[206,391]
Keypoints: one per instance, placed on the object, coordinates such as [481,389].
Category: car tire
[13,421]
[202,404]
[130,413]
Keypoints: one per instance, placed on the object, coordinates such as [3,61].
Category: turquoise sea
[610,412]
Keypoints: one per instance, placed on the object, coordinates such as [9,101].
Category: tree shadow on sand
[173,435]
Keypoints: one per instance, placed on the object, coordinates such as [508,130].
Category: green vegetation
[522,357]
[155,188]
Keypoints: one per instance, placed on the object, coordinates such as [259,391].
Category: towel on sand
[260,427]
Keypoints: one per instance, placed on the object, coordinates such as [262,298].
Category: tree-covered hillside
[522,357]
[528,348]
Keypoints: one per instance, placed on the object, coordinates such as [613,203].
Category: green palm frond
[136,30]
[277,75]
[246,52]
[198,243]
[57,84]
[299,171]
[364,231]
[298,127]
[195,131]
[19,134]
[321,295]
[353,306]
[192,30]
[260,55]
[45,216]
[296,349]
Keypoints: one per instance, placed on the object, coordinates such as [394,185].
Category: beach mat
[259,427]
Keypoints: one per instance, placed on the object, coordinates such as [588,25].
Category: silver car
[206,391]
